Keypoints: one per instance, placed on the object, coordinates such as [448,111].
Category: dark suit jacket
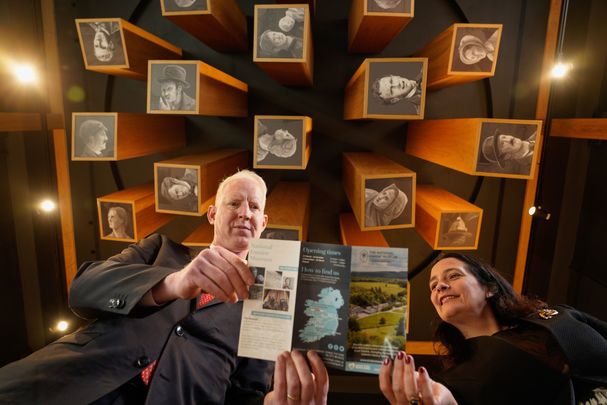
[196,349]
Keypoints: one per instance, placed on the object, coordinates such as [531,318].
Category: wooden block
[201,237]
[195,88]
[282,142]
[128,215]
[120,136]
[288,210]
[445,220]
[351,235]
[187,185]
[116,47]
[580,128]
[388,89]
[310,3]
[462,53]
[220,24]
[374,23]
[282,44]
[478,146]
[381,192]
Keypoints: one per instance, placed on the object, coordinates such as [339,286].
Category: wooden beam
[579,128]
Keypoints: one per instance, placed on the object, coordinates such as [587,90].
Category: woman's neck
[479,326]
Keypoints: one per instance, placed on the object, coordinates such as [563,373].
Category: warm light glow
[560,70]
[48,206]
[62,326]
[532,211]
[25,74]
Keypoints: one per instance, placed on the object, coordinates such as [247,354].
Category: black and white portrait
[288,283]
[387,201]
[256,292]
[280,32]
[93,136]
[185,5]
[277,300]
[506,148]
[116,220]
[475,49]
[389,6]
[279,233]
[258,274]
[102,43]
[273,279]
[396,88]
[173,87]
[177,189]
[278,142]
[458,229]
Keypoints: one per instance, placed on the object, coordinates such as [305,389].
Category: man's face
[509,145]
[238,215]
[384,198]
[393,87]
[98,141]
[170,91]
[278,38]
[179,191]
[103,46]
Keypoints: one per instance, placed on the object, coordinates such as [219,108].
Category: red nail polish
[400,355]
[422,370]
[387,361]
[408,359]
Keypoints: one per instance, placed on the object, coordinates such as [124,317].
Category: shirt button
[179,331]
[143,361]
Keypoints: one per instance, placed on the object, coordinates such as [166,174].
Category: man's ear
[394,100]
[211,212]
[265,221]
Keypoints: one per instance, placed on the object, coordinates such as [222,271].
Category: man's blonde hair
[241,174]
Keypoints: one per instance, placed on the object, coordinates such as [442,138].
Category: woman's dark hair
[507,305]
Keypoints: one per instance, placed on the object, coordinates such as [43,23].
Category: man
[392,89]
[156,323]
[172,84]
[509,153]
[93,138]
[103,45]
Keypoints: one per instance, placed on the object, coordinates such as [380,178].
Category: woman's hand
[296,383]
[401,384]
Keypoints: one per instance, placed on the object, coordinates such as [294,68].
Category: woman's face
[278,38]
[103,46]
[474,53]
[384,198]
[114,220]
[456,294]
[179,191]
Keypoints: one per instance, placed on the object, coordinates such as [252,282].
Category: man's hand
[296,383]
[216,271]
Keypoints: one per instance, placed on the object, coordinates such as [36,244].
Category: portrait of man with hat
[505,152]
[102,43]
[173,83]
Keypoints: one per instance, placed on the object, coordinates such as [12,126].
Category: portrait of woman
[279,142]
[185,5]
[178,192]
[102,43]
[500,347]
[280,33]
[383,207]
[476,49]
[116,220]
[458,229]
[389,6]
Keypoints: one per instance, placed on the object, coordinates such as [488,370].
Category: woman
[118,220]
[181,194]
[501,347]
[381,208]
[281,143]
[278,45]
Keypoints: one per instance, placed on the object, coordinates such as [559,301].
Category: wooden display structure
[216,93]
[579,128]
[371,31]
[222,26]
[211,167]
[360,170]
[289,71]
[351,235]
[288,207]
[302,155]
[457,144]
[134,135]
[136,47]
[438,219]
[358,101]
[144,218]
[445,67]
[201,237]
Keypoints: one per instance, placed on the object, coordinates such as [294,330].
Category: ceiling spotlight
[539,212]
[560,70]
[26,74]
[47,205]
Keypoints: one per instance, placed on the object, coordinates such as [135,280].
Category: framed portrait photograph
[277,300]
[388,201]
[475,49]
[278,143]
[280,233]
[280,32]
[389,6]
[102,43]
[176,189]
[507,148]
[116,221]
[173,87]
[396,89]
[93,136]
[184,5]
[458,230]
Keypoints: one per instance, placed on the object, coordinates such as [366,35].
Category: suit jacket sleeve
[116,285]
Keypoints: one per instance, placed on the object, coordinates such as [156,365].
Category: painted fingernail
[422,370]
[387,361]
[408,359]
[400,355]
